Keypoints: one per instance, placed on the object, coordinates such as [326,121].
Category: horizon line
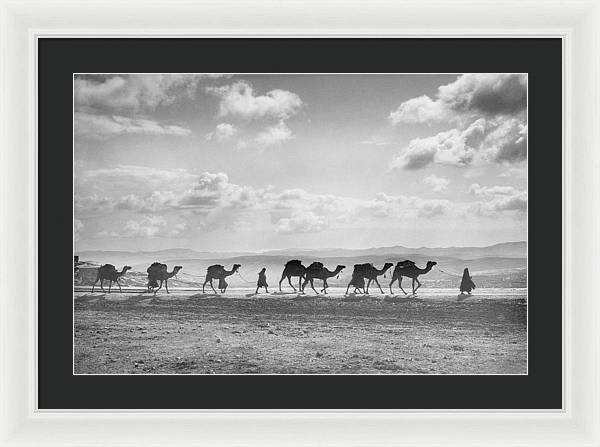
[307,249]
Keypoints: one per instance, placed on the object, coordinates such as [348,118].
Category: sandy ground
[192,333]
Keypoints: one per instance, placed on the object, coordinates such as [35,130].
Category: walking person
[467,284]
[262,281]
[222,285]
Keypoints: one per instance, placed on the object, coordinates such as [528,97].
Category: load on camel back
[158,272]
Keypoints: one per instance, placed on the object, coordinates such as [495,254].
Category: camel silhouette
[293,268]
[158,272]
[369,272]
[108,271]
[410,270]
[217,271]
[317,271]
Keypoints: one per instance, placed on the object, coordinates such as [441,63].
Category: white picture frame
[576,22]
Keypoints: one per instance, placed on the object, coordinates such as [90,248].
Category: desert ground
[188,332]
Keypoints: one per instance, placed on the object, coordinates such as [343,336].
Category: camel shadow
[402,299]
[143,297]
[355,297]
[304,297]
[206,295]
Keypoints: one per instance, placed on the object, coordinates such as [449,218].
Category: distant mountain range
[513,250]
[503,250]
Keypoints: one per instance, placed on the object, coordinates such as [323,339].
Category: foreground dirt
[139,334]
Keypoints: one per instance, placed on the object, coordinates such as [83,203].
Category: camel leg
[300,282]
[167,285]
[325,285]
[290,281]
[102,285]
[280,281]
[418,285]
[205,281]
[348,288]
[109,285]
[119,284]
[377,282]
[304,285]
[211,286]
[400,285]
[392,282]
[368,284]
[94,285]
[312,286]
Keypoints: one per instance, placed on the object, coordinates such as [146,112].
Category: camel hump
[362,266]
[316,266]
[293,263]
[407,262]
[216,267]
[156,267]
[108,267]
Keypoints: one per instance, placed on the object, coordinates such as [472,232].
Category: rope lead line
[450,274]
[244,279]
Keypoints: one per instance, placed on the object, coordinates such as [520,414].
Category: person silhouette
[262,281]
[467,284]
[222,285]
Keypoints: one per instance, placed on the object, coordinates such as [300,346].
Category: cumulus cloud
[488,112]
[499,198]
[471,94]
[210,200]
[437,184]
[134,92]
[222,132]
[454,147]
[101,127]
[483,141]
[146,227]
[274,135]
[239,99]
[308,222]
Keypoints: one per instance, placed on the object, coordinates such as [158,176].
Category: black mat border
[59,58]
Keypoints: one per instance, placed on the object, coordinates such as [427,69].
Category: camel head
[176,269]
[125,268]
[236,267]
[430,265]
[340,267]
[387,265]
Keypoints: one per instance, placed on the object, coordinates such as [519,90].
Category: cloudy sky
[255,162]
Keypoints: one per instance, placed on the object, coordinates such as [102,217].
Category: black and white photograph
[310,223]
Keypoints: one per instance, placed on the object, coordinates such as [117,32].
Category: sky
[252,162]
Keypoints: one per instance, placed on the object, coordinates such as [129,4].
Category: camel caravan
[363,276]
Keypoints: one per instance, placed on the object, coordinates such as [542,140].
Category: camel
[158,272]
[293,268]
[317,271]
[366,271]
[108,271]
[410,270]
[218,272]
[397,274]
